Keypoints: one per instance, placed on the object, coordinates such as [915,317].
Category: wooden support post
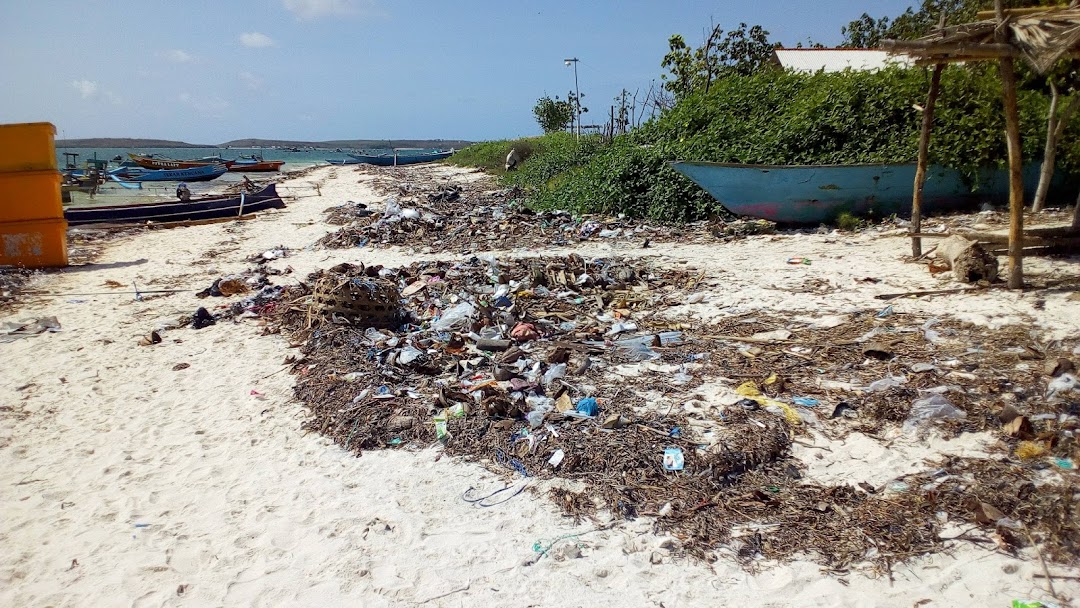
[924,156]
[1016,178]
[1076,214]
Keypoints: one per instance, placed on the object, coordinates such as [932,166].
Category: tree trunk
[968,260]
[1046,173]
[1055,127]
[1076,214]
[924,155]
[1016,178]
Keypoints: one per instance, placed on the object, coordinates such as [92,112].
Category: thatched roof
[1040,38]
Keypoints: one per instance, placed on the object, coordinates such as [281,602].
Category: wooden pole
[1076,214]
[924,156]
[1016,178]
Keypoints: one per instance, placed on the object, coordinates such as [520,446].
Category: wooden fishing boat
[815,194]
[255,164]
[203,208]
[397,158]
[153,161]
[194,174]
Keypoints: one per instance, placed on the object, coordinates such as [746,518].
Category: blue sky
[207,71]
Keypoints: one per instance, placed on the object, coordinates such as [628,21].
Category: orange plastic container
[30,195]
[35,244]
[27,147]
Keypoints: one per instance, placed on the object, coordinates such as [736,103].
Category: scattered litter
[673,459]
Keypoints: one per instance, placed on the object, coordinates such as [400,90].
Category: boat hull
[265,166]
[390,160]
[150,162]
[805,194]
[195,174]
[206,208]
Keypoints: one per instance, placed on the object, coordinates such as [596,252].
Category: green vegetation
[723,102]
[491,155]
[850,223]
[868,32]
[553,114]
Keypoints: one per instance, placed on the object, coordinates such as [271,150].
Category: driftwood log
[968,260]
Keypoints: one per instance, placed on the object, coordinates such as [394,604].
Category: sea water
[114,194]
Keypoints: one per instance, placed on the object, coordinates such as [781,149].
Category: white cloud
[212,107]
[86,88]
[89,89]
[251,81]
[256,40]
[178,56]
[314,9]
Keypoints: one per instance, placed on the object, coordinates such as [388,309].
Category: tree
[1065,75]
[865,32]
[742,52]
[553,114]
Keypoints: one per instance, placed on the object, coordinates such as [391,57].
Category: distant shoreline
[114,142]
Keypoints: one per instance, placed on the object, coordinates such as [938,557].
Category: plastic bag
[554,373]
[393,208]
[886,383]
[637,351]
[457,315]
[932,336]
[1062,384]
[934,407]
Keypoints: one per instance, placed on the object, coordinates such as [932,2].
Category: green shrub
[782,118]
[491,155]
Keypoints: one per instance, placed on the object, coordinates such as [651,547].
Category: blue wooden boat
[815,194]
[194,174]
[395,159]
[203,208]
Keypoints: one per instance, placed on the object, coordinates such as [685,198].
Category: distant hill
[124,142]
[347,143]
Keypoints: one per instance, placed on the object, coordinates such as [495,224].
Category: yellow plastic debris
[750,390]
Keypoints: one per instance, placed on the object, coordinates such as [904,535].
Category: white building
[836,60]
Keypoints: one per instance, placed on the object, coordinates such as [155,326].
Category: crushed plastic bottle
[934,407]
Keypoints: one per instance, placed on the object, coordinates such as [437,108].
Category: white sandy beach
[128,483]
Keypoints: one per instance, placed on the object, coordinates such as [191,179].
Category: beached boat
[255,164]
[397,158]
[203,208]
[153,161]
[815,194]
[194,174]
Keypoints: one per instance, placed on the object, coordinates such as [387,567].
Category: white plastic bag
[454,317]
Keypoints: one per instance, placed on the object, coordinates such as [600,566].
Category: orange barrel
[30,195]
[27,147]
[34,244]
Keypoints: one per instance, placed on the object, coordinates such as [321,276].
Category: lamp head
[566,62]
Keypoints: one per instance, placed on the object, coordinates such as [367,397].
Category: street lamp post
[577,92]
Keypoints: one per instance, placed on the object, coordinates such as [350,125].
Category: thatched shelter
[1039,36]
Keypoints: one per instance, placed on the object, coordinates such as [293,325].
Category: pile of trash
[572,367]
[347,213]
[12,281]
[448,225]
